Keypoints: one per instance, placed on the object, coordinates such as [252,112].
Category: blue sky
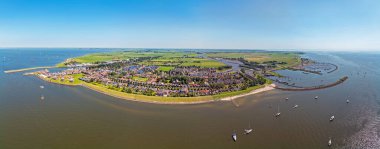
[238,24]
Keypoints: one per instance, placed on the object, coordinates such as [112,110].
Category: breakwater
[341,80]
[336,68]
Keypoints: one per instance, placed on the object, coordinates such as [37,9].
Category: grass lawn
[140,79]
[66,81]
[165,68]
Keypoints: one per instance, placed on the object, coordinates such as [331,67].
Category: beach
[264,89]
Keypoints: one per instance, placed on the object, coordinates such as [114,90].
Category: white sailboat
[330,142]
[295,106]
[234,137]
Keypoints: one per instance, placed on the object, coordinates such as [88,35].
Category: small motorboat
[286,98]
[332,118]
[316,97]
[249,130]
[278,112]
[347,101]
[330,142]
[42,97]
[42,87]
[295,106]
[234,137]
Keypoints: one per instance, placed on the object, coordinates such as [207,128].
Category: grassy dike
[151,99]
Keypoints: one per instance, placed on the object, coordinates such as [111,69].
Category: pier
[27,69]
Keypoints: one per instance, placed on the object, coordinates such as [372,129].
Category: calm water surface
[75,117]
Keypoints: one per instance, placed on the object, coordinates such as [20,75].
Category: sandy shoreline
[264,89]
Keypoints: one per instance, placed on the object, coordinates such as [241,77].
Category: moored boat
[332,118]
[329,143]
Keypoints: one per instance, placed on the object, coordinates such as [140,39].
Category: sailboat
[234,137]
[332,118]
[249,130]
[278,112]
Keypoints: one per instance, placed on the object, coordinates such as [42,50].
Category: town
[182,81]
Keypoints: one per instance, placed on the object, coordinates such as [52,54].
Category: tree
[242,70]
[127,90]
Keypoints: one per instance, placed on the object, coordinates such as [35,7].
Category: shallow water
[75,117]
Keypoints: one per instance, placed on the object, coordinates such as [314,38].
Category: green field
[167,60]
[291,58]
[124,55]
[207,63]
[183,61]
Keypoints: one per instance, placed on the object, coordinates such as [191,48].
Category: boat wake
[368,137]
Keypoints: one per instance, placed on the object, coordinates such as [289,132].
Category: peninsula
[173,77]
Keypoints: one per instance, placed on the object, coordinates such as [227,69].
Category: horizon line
[171,48]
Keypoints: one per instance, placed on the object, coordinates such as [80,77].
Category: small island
[173,77]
